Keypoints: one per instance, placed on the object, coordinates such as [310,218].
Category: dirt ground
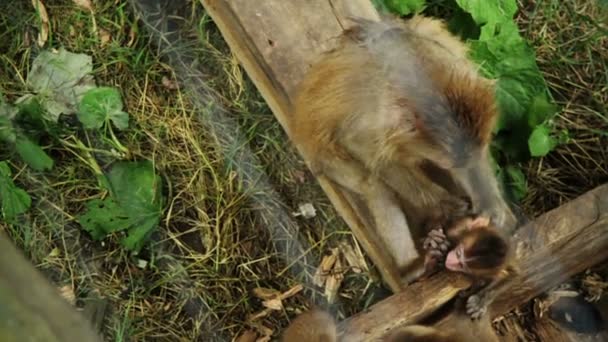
[229,238]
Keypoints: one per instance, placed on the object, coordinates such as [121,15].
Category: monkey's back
[360,91]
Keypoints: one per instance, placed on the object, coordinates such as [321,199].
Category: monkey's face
[481,251]
[480,184]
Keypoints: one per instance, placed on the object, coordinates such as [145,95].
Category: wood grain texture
[549,250]
[276,42]
[412,304]
[557,245]
[30,308]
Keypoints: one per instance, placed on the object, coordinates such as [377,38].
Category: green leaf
[7,131]
[103,218]
[14,200]
[100,105]
[33,154]
[135,205]
[405,7]
[463,25]
[60,79]
[7,113]
[540,110]
[541,142]
[521,90]
[492,12]
[516,182]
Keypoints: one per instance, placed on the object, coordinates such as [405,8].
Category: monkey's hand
[476,306]
[436,244]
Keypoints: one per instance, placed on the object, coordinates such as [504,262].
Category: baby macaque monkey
[393,96]
[469,244]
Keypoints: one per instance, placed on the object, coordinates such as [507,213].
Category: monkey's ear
[479,222]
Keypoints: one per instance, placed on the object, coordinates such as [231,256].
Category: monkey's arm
[484,292]
[384,206]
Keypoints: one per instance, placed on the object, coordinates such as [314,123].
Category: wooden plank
[30,308]
[276,41]
[548,251]
[412,304]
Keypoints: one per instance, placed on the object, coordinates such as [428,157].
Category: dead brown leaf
[265,293]
[274,304]
[84,4]
[169,83]
[353,260]
[104,37]
[334,280]
[67,292]
[258,315]
[326,265]
[43,35]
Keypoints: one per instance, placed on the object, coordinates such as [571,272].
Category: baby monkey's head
[482,251]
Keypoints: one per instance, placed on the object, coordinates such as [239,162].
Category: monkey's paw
[436,243]
[476,307]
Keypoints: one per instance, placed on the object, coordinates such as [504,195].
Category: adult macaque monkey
[392,101]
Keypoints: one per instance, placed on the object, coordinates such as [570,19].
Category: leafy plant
[13,200]
[403,7]
[62,85]
[134,205]
[100,106]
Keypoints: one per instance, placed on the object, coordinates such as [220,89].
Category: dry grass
[233,179]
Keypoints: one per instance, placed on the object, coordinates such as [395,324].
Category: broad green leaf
[138,235]
[7,113]
[492,12]
[135,205]
[33,154]
[405,7]
[521,89]
[60,79]
[541,142]
[463,25]
[7,131]
[100,105]
[14,200]
[540,110]
[103,218]
[516,182]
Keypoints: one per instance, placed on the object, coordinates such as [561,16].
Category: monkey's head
[481,252]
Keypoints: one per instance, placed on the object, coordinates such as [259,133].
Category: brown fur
[393,96]
[312,326]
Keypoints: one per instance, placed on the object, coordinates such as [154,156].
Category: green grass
[214,246]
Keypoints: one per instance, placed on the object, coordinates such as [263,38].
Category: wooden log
[412,304]
[276,41]
[549,250]
[30,308]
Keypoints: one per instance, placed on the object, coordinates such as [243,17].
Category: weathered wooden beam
[276,42]
[412,304]
[549,250]
[30,308]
